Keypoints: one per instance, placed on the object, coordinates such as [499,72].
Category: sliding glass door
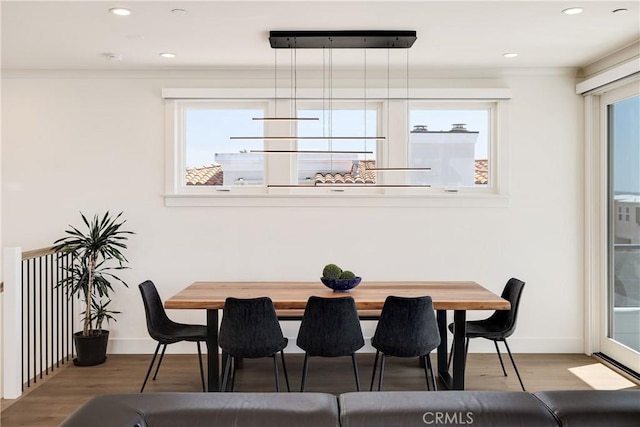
[620,338]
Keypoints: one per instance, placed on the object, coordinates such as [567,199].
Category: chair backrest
[250,328]
[157,320]
[330,327]
[505,320]
[407,327]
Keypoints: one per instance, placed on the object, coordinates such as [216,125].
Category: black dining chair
[499,326]
[407,328]
[330,328]
[250,330]
[165,331]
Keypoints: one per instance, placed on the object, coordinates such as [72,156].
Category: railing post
[12,323]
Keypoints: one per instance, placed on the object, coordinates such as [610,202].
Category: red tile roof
[357,175]
[205,175]
[482,171]
[212,175]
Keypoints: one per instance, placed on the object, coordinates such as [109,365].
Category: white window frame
[281,169]
[341,104]
[176,181]
[493,145]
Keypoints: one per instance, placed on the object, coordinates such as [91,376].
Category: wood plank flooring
[49,403]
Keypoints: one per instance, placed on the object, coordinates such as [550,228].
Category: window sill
[343,199]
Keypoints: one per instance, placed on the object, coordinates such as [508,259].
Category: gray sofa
[364,409]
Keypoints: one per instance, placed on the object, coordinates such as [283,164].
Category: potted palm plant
[95,254]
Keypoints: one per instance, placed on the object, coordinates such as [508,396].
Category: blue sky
[626,143]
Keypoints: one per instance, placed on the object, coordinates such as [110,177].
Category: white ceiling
[233,34]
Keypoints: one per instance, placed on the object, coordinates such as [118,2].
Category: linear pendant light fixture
[337,40]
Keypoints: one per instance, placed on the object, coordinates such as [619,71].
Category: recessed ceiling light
[178,11]
[622,10]
[113,56]
[573,11]
[168,55]
[510,55]
[120,11]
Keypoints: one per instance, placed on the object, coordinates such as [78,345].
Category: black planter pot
[91,350]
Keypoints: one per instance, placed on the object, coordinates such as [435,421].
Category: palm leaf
[93,252]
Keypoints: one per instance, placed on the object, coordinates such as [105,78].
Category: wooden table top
[368,295]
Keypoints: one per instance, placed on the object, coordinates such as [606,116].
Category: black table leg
[459,356]
[455,382]
[443,371]
[213,364]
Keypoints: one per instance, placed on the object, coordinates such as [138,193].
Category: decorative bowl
[340,285]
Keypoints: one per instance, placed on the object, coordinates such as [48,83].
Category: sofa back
[593,408]
[583,408]
[424,408]
[207,409]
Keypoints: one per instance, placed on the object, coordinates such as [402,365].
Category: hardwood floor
[49,403]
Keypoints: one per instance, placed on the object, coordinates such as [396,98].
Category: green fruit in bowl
[331,271]
[347,275]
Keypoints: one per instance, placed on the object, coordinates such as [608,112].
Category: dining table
[456,296]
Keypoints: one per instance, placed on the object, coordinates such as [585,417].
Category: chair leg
[355,371]
[433,375]
[426,370]
[450,357]
[500,357]
[375,365]
[466,351]
[284,368]
[381,372]
[235,362]
[514,364]
[275,372]
[150,367]
[225,373]
[159,362]
[201,368]
[305,366]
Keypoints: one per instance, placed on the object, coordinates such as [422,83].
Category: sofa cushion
[207,409]
[587,408]
[477,408]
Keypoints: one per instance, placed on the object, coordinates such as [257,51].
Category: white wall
[72,142]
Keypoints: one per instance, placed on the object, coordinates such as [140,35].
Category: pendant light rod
[397,169]
[312,151]
[328,184]
[291,138]
[284,119]
[317,185]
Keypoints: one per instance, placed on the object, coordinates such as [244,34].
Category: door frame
[596,204]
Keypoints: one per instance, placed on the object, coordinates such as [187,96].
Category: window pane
[624,238]
[453,143]
[211,158]
[343,168]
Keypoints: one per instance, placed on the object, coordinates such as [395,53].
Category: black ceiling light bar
[342,39]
